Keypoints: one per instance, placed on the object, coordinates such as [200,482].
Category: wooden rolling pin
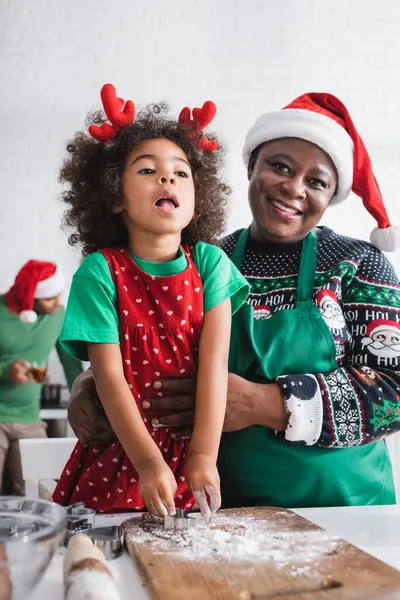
[86,573]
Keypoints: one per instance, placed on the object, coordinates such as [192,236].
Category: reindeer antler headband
[121,113]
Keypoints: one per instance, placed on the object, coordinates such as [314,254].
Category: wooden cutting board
[306,564]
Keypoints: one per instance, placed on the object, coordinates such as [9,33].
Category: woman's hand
[203,479]
[85,412]
[248,404]
[157,487]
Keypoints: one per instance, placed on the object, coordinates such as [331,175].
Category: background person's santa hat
[36,280]
[382,325]
[322,119]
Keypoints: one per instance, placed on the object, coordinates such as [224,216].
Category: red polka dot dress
[160,321]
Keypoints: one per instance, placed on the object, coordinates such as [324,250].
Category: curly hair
[93,172]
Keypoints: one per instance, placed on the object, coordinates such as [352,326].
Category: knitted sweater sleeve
[359,401]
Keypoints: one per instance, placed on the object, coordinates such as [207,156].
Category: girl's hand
[157,487]
[203,478]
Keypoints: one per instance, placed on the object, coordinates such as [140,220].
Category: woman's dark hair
[93,172]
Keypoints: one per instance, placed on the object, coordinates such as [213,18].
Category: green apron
[259,468]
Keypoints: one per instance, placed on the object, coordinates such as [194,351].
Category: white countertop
[374,529]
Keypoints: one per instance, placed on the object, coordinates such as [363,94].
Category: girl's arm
[212,382]
[157,482]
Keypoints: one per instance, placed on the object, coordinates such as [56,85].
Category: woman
[314,361]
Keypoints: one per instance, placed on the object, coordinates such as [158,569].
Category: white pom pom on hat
[323,119]
[36,280]
[28,316]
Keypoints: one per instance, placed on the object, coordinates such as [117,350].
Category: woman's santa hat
[36,280]
[323,120]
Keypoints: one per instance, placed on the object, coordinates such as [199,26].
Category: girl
[151,299]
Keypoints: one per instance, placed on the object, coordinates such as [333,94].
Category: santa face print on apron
[256,466]
[160,323]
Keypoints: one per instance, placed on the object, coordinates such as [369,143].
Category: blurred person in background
[31,318]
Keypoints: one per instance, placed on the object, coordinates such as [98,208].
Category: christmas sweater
[358,294]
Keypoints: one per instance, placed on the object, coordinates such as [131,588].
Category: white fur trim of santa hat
[312,127]
[48,288]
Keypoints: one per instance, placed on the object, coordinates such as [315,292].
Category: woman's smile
[285,210]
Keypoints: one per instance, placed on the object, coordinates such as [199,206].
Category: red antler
[119,113]
[201,118]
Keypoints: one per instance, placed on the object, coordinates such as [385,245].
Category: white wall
[248,56]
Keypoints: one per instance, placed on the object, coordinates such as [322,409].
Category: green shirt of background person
[31,319]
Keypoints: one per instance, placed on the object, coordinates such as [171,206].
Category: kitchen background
[249,56]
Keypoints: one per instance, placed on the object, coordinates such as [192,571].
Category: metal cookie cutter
[181,521]
[79,517]
[110,540]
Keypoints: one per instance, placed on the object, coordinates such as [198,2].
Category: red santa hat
[324,294]
[382,325]
[36,280]
[323,119]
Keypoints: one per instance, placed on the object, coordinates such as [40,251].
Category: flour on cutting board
[242,539]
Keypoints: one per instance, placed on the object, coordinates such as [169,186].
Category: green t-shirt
[92,315]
